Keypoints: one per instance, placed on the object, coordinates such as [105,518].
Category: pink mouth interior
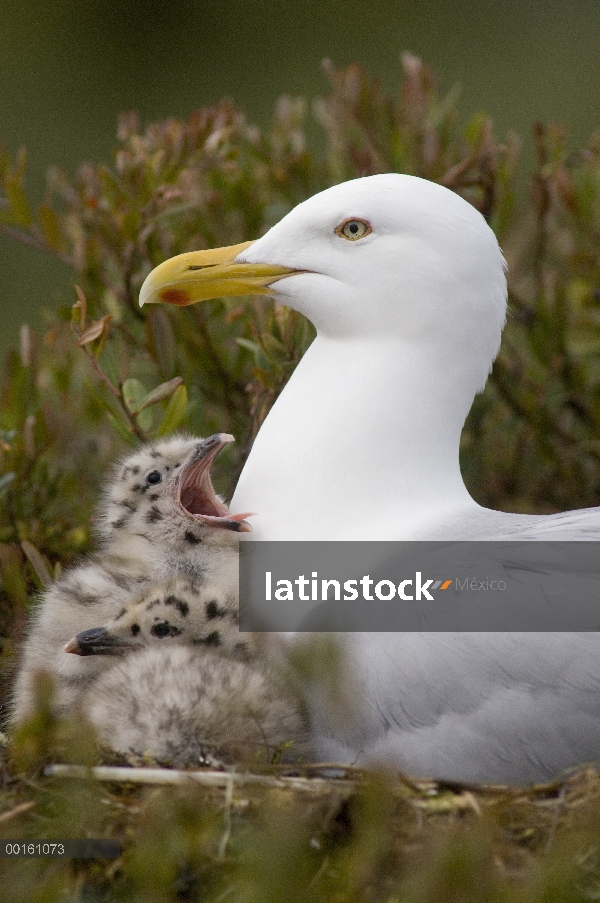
[197,496]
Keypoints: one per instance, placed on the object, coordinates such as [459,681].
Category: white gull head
[404,281]
[429,271]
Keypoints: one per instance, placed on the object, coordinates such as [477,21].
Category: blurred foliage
[317,838]
[106,375]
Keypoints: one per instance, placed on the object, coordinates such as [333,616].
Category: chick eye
[154,477]
[160,630]
[353,229]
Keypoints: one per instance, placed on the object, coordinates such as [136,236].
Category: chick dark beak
[97,641]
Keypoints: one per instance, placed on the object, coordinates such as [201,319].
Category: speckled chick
[182,611]
[186,707]
[198,688]
[159,517]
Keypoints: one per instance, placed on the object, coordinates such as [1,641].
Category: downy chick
[197,688]
[181,610]
[185,707]
[159,517]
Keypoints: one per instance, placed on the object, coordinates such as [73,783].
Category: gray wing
[476,523]
[515,707]
[492,707]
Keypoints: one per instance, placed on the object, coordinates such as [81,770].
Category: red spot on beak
[175,296]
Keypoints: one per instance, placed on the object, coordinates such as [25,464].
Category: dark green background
[67,67]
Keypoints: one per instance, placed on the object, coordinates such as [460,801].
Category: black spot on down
[213,639]
[153,603]
[213,610]
[153,515]
[181,606]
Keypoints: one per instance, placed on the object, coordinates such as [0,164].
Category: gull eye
[154,477]
[353,229]
[161,630]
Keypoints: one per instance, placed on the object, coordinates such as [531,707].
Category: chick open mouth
[196,494]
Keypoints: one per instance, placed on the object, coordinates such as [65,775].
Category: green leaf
[134,392]
[51,230]
[121,429]
[111,187]
[104,400]
[175,412]
[274,348]
[112,304]
[38,563]
[260,358]
[20,211]
[97,330]
[248,345]
[145,420]
[165,390]
[475,128]
[113,414]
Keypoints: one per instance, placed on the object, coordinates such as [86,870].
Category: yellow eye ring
[352,229]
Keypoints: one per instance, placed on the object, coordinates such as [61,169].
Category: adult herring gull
[404,282]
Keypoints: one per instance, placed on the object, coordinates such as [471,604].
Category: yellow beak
[200,275]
